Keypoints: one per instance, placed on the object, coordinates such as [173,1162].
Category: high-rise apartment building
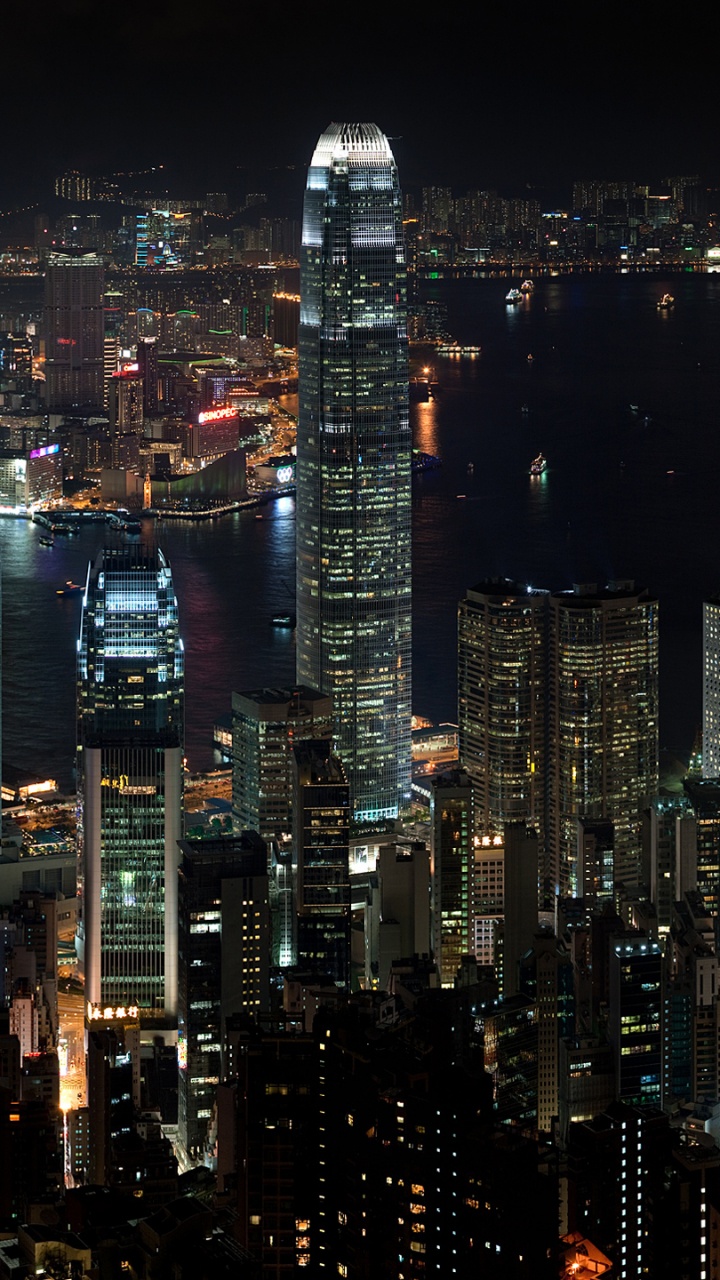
[74,333]
[502,660]
[602,745]
[354,462]
[130,775]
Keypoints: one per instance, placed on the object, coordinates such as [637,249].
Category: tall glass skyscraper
[130,771]
[354,462]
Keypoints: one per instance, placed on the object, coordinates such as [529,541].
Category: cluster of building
[347,1036]
[675,220]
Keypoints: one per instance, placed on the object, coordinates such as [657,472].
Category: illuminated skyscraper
[602,721]
[502,652]
[74,333]
[354,462]
[130,749]
[711,688]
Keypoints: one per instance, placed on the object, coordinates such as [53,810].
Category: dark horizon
[487,103]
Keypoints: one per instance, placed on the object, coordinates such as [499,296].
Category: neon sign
[284,475]
[217,415]
[107,1013]
[45,451]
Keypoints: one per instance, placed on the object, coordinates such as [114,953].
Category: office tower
[130,779]
[397,920]
[602,721]
[595,860]
[147,358]
[223,964]
[520,900]
[125,402]
[586,1080]
[670,851]
[266,725]
[711,688]
[511,1058]
[704,797]
[354,463]
[691,1006]
[547,978]
[321,833]
[635,1014]
[488,898]
[452,871]
[502,628]
[74,333]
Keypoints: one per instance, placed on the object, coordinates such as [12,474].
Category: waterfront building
[502,656]
[354,463]
[223,964]
[266,725]
[602,721]
[74,333]
[130,776]
[453,868]
[321,835]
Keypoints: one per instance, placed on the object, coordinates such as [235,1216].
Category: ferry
[666,303]
[70,589]
[512,297]
[287,621]
[46,542]
[527,286]
[538,465]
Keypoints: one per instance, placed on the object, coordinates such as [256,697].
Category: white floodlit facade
[354,463]
[130,772]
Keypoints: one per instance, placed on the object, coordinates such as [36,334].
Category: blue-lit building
[354,462]
[130,771]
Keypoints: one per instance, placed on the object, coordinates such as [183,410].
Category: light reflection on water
[605,508]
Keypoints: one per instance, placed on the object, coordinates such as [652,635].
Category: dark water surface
[623,497]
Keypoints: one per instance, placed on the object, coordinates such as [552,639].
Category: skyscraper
[321,832]
[130,749]
[602,721]
[711,688]
[502,654]
[74,333]
[354,462]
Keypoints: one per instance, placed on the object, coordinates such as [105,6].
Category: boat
[666,303]
[46,542]
[70,589]
[284,620]
[538,465]
[527,286]
[512,297]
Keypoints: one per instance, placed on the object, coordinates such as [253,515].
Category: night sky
[473,96]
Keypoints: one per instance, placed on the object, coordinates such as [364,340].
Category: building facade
[266,725]
[603,740]
[354,462]
[502,651]
[321,838]
[130,778]
[74,333]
